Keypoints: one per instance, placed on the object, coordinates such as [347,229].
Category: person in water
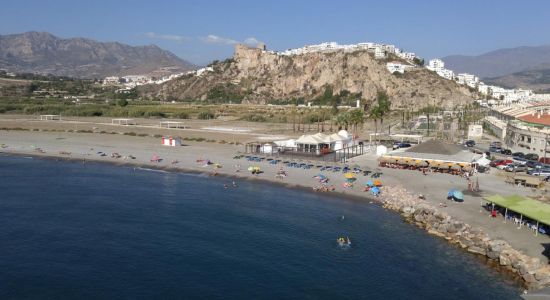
[234,184]
[225,186]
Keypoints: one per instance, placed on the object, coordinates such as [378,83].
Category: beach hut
[310,143]
[169,141]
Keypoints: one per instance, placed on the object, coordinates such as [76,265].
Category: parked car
[539,172]
[401,145]
[470,143]
[476,151]
[519,160]
[496,144]
[516,168]
[495,149]
[502,167]
[518,154]
[545,160]
[531,156]
[506,151]
[533,164]
[500,162]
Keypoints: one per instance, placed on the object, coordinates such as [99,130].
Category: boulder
[476,250]
[504,260]
[498,245]
[529,278]
[543,274]
[493,255]
[529,266]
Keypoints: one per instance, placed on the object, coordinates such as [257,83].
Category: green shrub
[254,118]
[205,115]
[122,102]
[181,115]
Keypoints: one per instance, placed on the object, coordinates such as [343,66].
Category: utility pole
[428,122]
[545,143]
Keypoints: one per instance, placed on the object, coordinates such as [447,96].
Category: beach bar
[50,117]
[537,211]
[123,121]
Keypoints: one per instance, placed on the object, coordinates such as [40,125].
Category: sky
[201,31]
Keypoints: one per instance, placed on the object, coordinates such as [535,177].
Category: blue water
[69,230]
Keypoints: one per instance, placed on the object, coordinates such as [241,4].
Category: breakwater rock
[418,211]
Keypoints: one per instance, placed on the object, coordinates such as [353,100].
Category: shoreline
[382,201]
[530,271]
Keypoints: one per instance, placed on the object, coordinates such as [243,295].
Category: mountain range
[44,53]
[520,67]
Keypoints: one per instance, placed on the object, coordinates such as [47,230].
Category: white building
[467,79]
[446,73]
[379,53]
[397,67]
[483,88]
[111,80]
[435,64]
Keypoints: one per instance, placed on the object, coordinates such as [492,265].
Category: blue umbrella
[350,180]
[458,196]
[451,193]
[370,183]
[321,176]
[375,190]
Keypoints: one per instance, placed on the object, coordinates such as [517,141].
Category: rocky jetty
[418,211]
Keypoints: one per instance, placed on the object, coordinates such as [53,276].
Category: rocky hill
[41,52]
[257,76]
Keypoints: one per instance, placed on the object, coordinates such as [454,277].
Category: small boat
[343,242]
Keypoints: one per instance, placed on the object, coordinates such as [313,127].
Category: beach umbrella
[349,175]
[155,157]
[321,176]
[377,182]
[370,183]
[251,168]
[458,196]
[450,193]
[375,190]
[351,180]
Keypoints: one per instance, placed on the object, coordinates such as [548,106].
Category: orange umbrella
[377,182]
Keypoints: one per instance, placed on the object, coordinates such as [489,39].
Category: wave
[152,170]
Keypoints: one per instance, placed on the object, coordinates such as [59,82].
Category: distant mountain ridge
[500,62]
[42,52]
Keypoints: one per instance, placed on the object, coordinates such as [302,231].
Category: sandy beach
[191,156]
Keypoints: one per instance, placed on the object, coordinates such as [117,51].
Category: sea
[73,230]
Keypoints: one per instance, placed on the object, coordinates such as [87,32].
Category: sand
[85,146]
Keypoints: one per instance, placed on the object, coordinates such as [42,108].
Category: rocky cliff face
[257,76]
[41,52]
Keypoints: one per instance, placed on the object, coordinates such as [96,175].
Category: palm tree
[375,114]
[356,117]
[384,104]
[343,120]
